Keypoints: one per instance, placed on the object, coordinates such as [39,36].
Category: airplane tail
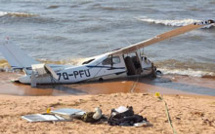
[16,57]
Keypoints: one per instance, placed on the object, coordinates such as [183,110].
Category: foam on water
[187,72]
[17,14]
[3,13]
[76,61]
[3,63]
[188,68]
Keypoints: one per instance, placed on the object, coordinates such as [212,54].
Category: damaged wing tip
[210,21]
[204,22]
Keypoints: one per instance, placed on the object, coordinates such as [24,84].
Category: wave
[53,7]
[75,61]
[27,18]
[17,14]
[3,63]
[188,72]
[188,68]
[176,23]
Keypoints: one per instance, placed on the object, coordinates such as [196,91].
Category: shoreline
[166,84]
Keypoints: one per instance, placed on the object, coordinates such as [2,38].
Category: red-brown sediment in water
[137,85]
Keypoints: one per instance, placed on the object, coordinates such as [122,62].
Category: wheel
[158,72]
[101,79]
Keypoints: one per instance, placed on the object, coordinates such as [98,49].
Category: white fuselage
[98,68]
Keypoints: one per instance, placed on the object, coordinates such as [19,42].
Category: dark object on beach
[126,118]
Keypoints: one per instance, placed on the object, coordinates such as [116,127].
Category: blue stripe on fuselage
[109,68]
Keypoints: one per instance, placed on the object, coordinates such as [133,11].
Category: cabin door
[132,62]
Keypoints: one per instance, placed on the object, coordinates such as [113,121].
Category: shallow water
[166,84]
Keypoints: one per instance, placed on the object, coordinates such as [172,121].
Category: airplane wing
[162,37]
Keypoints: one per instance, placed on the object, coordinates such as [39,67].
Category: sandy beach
[189,114]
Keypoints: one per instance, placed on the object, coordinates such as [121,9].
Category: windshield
[111,60]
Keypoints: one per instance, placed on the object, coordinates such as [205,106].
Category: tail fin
[16,57]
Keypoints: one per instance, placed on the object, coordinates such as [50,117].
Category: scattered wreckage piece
[65,114]
[69,113]
[42,117]
[121,116]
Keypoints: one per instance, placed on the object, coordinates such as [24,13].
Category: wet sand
[168,84]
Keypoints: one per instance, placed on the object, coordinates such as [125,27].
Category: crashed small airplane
[123,62]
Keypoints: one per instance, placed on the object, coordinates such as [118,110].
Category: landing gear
[155,72]
[101,79]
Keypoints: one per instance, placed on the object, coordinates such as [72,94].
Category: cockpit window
[107,61]
[87,62]
[116,60]
[111,60]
